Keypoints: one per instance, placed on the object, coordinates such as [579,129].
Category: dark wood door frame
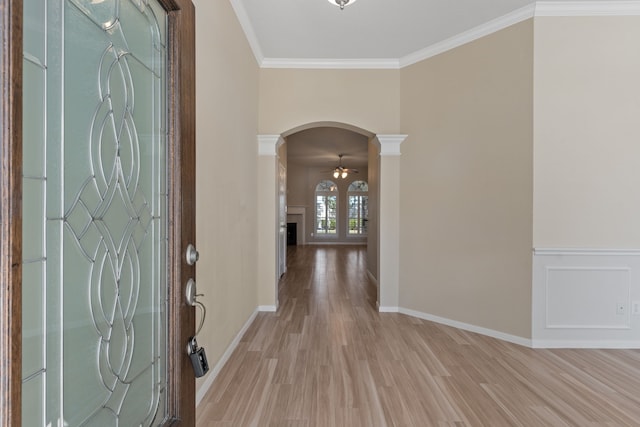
[181,392]
[10,211]
[182,203]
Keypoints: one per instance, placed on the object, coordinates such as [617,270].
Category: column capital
[268,144]
[390,144]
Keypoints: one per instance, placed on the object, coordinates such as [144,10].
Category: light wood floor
[327,358]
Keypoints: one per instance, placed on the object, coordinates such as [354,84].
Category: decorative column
[389,222]
[268,221]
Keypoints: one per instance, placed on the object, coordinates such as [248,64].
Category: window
[358,208]
[326,208]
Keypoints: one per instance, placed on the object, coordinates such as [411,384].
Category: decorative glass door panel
[95,213]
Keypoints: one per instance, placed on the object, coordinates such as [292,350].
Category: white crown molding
[468,36]
[245,23]
[333,64]
[588,8]
[535,9]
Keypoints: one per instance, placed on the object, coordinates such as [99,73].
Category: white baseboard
[268,308]
[384,309]
[526,342]
[616,345]
[206,385]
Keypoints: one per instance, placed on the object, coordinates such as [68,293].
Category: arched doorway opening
[383,174]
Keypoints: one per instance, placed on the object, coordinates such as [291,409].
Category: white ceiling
[367,29]
[379,34]
[366,32]
[320,147]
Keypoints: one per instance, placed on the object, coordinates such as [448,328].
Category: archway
[386,248]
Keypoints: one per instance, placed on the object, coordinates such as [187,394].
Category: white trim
[468,36]
[535,9]
[208,381]
[384,309]
[247,28]
[333,64]
[621,345]
[267,308]
[468,327]
[588,8]
[585,251]
[622,326]
[268,144]
[390,144]
[590,329]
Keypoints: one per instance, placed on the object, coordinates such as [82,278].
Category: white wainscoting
[583,298]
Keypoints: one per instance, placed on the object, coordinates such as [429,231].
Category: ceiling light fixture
[341,3]
[341,171]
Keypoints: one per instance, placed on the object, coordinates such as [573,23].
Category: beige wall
[227,118]
[466,183]
[587,132]
[467,168]
[291,98]
[369,99]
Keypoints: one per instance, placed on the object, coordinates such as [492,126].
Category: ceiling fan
[341,171]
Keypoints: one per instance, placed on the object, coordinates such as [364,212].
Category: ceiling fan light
[344,174]
[341,3]
[336,173]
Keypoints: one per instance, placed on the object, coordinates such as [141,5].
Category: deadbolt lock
[192,255]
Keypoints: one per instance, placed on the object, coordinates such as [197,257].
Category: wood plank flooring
[327,358]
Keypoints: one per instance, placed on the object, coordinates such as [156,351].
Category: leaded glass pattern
[98,213]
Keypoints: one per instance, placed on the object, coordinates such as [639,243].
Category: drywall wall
[466,183]
[587,132]
[586,175]
[292,98]
[369,99]
[227,118]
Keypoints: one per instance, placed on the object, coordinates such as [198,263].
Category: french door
[98,208]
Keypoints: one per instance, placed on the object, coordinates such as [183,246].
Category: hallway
[327,358]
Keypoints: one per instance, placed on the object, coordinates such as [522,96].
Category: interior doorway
[382,247]
[338,158]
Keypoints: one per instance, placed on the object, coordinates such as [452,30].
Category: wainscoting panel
[585,298]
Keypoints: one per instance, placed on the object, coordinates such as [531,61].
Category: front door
[107,213]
